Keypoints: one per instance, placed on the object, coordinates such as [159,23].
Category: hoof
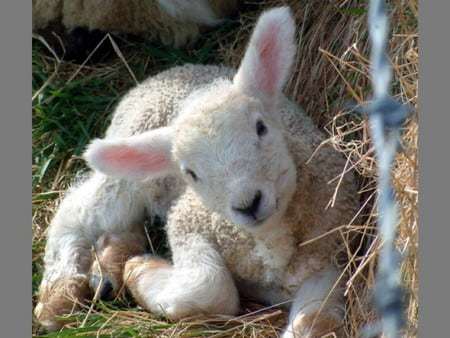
[312,326]
[112,252]
[62,297]
[107,290]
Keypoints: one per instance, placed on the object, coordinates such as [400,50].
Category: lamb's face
[227,141]
[232,152]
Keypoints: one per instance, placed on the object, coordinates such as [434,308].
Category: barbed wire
[386,116]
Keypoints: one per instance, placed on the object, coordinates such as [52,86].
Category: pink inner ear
[129,159]
[269,52]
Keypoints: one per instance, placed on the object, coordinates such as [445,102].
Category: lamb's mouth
[264,216]
[256,222]
[262,220]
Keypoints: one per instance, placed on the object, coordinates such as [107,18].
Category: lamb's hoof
[62,297]
[106,272]
[106,291]
[312,326]
[107,281]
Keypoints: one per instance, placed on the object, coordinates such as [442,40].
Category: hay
[331,73]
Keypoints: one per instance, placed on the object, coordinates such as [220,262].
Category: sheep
[231,165]
[173,22]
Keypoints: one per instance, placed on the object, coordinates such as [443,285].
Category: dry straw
[332,73]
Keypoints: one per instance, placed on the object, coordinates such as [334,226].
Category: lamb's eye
[261,128]
[192,174]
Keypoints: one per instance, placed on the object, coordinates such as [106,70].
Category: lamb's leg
[112,252]
[65,284]
[98,205]
[197,283]
[306,318]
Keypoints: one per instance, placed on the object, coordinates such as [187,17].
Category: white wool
[173,22]
[198,11]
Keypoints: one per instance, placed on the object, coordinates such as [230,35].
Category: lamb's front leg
[197,283]
[98,205]
[317,310]
[64,284]
[112,252]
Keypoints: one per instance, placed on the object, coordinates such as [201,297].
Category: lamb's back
[156,101]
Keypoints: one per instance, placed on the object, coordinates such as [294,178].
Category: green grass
[66,116]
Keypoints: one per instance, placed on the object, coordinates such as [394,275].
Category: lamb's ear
[147,155]
[270,53]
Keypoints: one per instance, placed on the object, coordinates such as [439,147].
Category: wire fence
[386,117]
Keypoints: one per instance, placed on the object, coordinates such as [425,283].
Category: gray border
[434,157]
[15,182]
[15,169]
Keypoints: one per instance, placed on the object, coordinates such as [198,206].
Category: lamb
[229,164]
[173,22]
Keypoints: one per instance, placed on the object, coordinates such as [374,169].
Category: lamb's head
[228,141]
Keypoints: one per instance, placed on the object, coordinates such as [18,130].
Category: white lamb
[222,157]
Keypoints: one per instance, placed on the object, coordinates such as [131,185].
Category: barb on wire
[386,117]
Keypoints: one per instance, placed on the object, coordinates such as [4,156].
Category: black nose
[252,208]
